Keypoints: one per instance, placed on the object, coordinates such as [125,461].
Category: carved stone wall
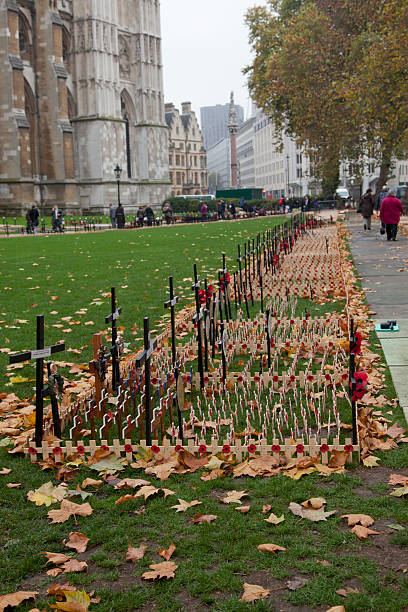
[82,91]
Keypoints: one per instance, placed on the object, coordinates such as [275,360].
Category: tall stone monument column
[233,129]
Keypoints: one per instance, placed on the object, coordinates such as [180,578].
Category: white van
[342,193]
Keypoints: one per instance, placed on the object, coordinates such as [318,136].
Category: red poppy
[154,381]
[344,376]
[178,448]
[300,448]
[256,378]
[276,378]
[327,376]
[349,448]
[240,379]
[252,448]
[361,378]
[292,378]
[310,378]
[202,449]
[230,347]
[355,347]
[226,449]
[287,344]
[57,450]
[206,379]
[81,450]
[32,450]
[155,449]
[276,448]
[128,448]
[105,448]
[243,346]
[258,346]
[324,448]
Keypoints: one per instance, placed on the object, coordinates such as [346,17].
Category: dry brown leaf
[346,591]
[371,461]
[275,520]
[243,509]
[354,519]
[165,569]
[190,461]
[234,497]
[77,541]
[67,510]
[182,506]
[398,479]
[203,518]
[252,592]
[73,565]
[56,558]
[57,590]
[337,608]
[362,532]
[338,458]
[134,554]
[314,503]
[124,498]
[166,553]
[266,508]
[91,482]
[54,571]
[4,472]
[312,515]
[131,483]
[148,491]
[272,548]
[14,599]
[323,562]
[13,485]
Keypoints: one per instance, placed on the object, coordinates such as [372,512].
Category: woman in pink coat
[390,213]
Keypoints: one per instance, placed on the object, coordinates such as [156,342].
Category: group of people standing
[117,216]
[389,207]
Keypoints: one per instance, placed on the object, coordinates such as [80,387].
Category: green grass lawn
[213,560]
[63,274]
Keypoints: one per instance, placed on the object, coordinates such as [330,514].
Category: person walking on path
[390,214]
[168,213]
[367,208]
[204,212]
[120,216]
[149,214]
[140,215]
[29,225]
[56,217]
[381,196]
[112,215]
[34,216]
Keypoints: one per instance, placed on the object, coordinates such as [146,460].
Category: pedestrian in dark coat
[367,208]
[120,216]
[34,216]
[390,213]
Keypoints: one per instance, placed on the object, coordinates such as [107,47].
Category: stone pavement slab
[384,276]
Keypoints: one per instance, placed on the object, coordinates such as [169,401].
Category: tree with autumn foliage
[319,74]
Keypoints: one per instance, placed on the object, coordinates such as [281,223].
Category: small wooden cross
[99,366]
[197,318]
[171,304]
[115,348]
[144,359]
[38,354]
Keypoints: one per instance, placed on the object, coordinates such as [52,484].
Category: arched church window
[24,37]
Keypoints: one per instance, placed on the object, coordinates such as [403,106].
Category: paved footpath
[383,269]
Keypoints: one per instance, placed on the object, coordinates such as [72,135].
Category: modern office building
[214,122]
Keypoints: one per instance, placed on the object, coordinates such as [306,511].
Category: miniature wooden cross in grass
[171,304]
[197,319]
[116,346]
[144,359]
[99,366]
[38,354]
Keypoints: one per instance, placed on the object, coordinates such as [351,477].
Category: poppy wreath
[355,347]
[361,379]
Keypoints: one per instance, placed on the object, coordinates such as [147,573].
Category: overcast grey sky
[205,47]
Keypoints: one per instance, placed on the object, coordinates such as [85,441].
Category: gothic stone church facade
[81,90]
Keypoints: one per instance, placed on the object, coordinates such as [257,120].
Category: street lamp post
[118,172]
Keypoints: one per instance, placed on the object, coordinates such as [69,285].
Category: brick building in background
[187,156]
[81,91]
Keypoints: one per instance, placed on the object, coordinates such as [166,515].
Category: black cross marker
[239,260]
[223,347]
[112,318]
[268,338]
[38,354]
[171,304]
[197,319]
[144,358]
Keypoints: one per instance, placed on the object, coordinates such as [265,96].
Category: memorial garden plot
[262,364]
